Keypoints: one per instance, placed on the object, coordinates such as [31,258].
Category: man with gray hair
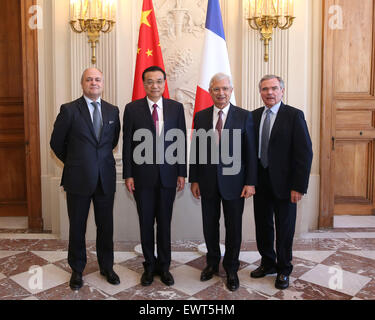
[285,156]
[233,130]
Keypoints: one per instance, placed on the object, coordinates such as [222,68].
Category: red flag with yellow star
[149,50]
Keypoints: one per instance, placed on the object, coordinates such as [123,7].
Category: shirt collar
[88,101]
[225,109]
[274,109]
[151,103]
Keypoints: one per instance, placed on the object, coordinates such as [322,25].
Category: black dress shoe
[232,281]
[261,272]
[111,276]
[282,281]
[76,281]
[166,278]
[147,278]
[208,273]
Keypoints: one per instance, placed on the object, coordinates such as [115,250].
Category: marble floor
[338,264]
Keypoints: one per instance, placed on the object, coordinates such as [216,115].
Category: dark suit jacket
[289,151]
[210,175]
[137,116]
[85,158]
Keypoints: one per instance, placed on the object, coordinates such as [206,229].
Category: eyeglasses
[151,83]
[225,89]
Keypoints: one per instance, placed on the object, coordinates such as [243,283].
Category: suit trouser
[266,207]
[78,211]
[211,211]
[155,203]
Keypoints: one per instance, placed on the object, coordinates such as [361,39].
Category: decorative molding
[183,23]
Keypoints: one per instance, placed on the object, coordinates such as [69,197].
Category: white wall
[63,55]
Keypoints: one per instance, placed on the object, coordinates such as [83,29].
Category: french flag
[214,58]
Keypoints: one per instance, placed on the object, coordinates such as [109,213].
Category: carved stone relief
[181,30]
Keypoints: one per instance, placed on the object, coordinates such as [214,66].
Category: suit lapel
[278,121]
[166,114]
[82,105]
[105,116]
[147,115]
[257,116]
[228,122]
[208,124]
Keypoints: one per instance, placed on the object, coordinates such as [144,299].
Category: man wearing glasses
[222,182]
[153,182]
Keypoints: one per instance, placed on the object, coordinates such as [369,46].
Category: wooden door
[348,110]
[20,173]
[13,196]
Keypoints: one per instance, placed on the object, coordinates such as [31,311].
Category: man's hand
[247,192]
[195,190]
[295,196]
[180,183]
[129,182]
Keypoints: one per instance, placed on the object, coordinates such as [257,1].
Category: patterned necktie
[265,139]
[96,120]
[219,124]
[155,117]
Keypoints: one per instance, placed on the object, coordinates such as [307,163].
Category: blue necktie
[265,139]
[96,120]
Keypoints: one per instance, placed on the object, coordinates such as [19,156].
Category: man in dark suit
[285,156]
[153,181]
[222,181]
[84,135]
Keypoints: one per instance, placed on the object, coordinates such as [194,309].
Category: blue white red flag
[215,57]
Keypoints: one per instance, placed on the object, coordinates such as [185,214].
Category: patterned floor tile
[200,264]
[301,266]
[184,257]
[5,254]
[187,280]
[367,292]
[51,256]
[353,263]
[63,292]
[128,279]
[302,290]
[316,256]
[264,285]
[156,291]
[336,279]
[10,290]
[325,268]
[219,291]
[362,253]
[41,278]
[20,263]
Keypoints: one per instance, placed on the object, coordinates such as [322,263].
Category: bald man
[84,135]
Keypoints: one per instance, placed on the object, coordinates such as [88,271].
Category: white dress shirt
[159,109]
[223,116]
[273,115]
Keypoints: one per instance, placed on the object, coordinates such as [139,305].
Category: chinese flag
[149,50]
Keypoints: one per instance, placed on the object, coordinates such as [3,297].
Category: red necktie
[155,117]
[219,124]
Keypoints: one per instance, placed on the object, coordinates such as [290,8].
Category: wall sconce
[264,15]
[92,16]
